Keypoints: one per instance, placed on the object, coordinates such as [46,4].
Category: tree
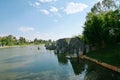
[104,6]
[0,41]
[11,40]
[112,23]
[8,40]
[35,41]
[4,41]
[93,31]
[22,40]
[102,24]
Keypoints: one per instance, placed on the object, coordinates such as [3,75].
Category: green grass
[109,55]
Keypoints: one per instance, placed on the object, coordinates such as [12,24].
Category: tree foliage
[102,24]
[104,6]
[22,40]
[8,40]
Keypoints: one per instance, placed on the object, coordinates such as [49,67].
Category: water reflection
[88,70]
[14,59]
[96,72]
[78,65]
[62,59]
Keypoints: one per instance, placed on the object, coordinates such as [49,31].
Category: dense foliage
[102,26]
[8,40]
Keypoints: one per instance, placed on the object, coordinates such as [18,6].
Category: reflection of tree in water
[96,72]
[62,59]
[92,72]
[78,65]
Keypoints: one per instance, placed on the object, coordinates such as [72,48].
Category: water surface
[29,63]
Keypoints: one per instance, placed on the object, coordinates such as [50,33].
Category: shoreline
[11,46]
[14,46]
[103,64]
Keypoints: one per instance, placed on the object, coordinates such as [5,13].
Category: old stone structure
[74,46]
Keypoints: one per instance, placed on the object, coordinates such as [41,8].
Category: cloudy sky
[43,19]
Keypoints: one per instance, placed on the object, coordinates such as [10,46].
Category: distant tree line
[40,41]
[11,40]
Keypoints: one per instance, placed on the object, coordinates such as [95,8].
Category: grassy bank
[110,55]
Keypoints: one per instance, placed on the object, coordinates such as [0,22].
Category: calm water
[29,63]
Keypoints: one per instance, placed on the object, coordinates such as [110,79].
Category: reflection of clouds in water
[14,59]
[10,66]
[77,77]
[49,75]
[82,75]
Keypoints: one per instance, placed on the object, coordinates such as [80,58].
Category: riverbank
[17,46]
[110,55]
[12,46]
[108,66]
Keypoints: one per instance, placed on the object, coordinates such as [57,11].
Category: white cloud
[26,29]
[35,4]
[44,1]
[53,9]
[72,7]
[44,11]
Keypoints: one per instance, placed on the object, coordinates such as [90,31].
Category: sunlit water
[29,63]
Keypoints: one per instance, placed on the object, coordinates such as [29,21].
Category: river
[29,63]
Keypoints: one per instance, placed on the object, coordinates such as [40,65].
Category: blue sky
[43,19]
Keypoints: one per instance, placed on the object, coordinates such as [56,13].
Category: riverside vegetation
[102,31]
[10,41]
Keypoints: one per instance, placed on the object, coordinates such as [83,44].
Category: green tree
[8,40]
[102,24]
[104,6]
[36,41]
[93,31]
[111,24]
[22,40]
[11,40]
[0,41]
[4,41]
